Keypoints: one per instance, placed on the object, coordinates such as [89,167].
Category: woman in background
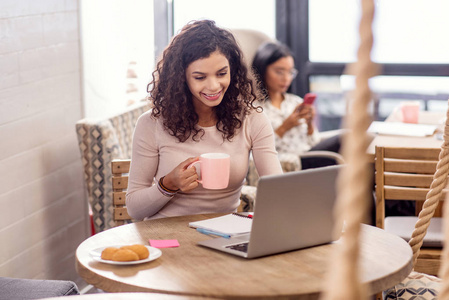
[292,120]
[203,101]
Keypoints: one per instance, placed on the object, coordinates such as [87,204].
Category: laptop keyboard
[243,247]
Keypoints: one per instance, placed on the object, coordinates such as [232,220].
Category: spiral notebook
[232,224]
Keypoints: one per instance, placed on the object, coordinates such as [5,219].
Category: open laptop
[293,210]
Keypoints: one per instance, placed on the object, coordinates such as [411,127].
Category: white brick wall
[43,215]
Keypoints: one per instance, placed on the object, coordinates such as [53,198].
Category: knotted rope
[433,196]
[354,181]
[444,269]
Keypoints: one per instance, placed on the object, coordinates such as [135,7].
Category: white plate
[154,254]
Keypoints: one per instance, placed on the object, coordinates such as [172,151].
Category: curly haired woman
[203,102]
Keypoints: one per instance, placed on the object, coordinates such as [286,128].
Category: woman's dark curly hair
[171,97]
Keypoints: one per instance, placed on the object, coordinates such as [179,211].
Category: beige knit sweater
[156,153]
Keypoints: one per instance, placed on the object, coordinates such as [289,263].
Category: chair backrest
[120,170]
[100,141]
[403,174]
[249,41]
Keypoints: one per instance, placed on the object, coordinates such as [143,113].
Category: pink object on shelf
[410,111]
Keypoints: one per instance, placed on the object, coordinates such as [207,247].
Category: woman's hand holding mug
[182,177]
[215,170]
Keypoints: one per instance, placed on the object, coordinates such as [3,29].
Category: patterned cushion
[289,163]
[100,141]
[248,197]
[417,286]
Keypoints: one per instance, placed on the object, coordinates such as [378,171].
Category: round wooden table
[126,296]
[193,270]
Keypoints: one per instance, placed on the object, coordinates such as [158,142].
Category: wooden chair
[120,170]
[406,174]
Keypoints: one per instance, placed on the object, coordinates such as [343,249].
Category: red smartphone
[309,98]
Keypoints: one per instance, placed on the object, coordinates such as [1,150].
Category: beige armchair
[103,140]
[249,41]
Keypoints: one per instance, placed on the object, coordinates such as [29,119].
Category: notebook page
[228,224]
[405,129]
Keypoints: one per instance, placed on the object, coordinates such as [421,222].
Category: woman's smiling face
[208,79]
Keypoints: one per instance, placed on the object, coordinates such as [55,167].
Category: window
[409,44]
[247,14]
[405,31]
[118,54]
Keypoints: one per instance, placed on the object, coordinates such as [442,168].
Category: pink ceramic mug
[215,168]
[409,111]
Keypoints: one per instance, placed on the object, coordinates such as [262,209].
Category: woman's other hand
[308,112]
[182,177]
[302,111]
[290,122]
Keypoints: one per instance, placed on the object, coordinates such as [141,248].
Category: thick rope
[354,184]
[444,269]
[433,196]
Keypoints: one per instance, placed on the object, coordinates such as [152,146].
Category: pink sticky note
[164,243]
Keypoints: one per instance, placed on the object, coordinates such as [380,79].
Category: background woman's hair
[170,93]
[267,54]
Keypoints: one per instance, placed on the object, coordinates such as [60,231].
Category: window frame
[292,29]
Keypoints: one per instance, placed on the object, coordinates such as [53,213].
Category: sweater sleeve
[143,198]
[263,148]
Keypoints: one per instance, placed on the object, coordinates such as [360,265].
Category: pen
[244,215]
[210,232]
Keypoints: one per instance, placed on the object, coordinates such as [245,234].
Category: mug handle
[397,112]
[192,165]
